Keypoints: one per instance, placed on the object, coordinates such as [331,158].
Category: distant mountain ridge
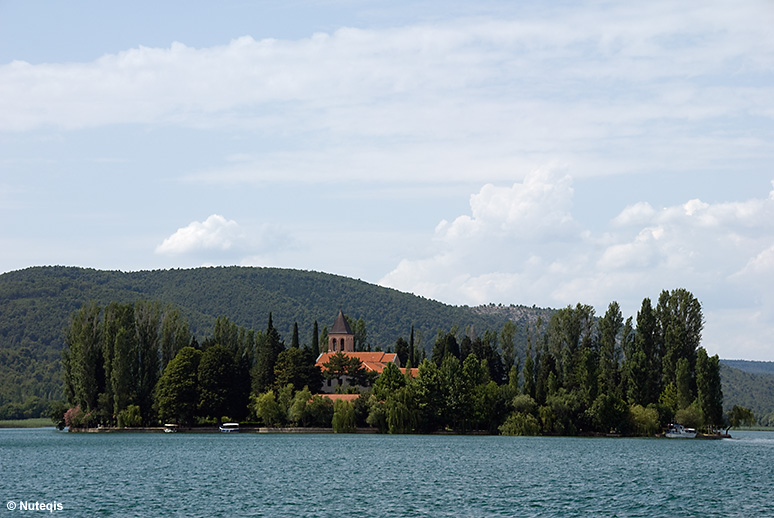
[753,367]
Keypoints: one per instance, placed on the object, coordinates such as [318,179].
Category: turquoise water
[377,475]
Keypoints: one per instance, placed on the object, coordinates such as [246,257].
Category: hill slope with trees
[753,389]
[37,304]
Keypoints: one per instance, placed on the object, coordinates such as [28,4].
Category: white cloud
[511,234]
[508,249]
[215,233]
[596,86]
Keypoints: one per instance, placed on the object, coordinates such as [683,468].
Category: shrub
[690,416]
[343,420]
[519,423]
[130,417]
[267,409]
[73,418]
[645,421]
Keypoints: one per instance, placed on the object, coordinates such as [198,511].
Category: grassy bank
[35,422]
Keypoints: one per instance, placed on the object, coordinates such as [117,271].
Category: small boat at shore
[678,431]
[170,428]
[229,428]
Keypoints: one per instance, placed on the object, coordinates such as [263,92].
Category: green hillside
[753,367]
[37,303]
[749,389]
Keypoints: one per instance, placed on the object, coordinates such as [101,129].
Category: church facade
[341,339]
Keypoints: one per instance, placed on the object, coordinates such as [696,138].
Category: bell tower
[340,337]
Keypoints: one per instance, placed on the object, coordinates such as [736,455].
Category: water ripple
[363,476]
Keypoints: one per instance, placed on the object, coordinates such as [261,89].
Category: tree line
[138,364]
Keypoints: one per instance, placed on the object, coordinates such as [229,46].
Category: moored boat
[170,428]
[229,427]
[678,431]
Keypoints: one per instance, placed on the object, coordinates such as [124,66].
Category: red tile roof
[371,361]
[412,373]
[344,397]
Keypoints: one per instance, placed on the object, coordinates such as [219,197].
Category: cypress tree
[315,340]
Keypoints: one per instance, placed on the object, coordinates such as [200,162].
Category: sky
[514,152]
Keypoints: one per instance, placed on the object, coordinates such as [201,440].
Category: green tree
[315,340]
[297,414]
[644,421]
[401,412]
[429,396]
[709,388]
[340,365]
[177,393]
[269,347]
[610,413]
[445,344]
[147,320]
[124,367]
[609,354]
[215,376]
[295,366]
[669,399]
[390,380]
[683,383]
[343,420]
[294,340]
[324,340]
[521,424]
[690,416]
[402,350]
[646,340]
[174,335]
[130,417]
[681,322]
[528,387]
[740,416]
[508,343]
[267,409]
[361,335]
[117,317]
[82,358]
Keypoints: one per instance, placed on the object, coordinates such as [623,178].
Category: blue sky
[499,152]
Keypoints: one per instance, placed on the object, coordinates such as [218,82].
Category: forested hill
[37,303]
[749,385]
[753,367]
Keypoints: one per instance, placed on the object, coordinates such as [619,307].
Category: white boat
[229,427]
[678,431]
[170,428]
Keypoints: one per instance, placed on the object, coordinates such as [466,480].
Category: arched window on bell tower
[340,337]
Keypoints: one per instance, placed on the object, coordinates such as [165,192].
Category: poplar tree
[508,344]
[709,388]
[269,347]
[294,339]
[609,327]
[82,359]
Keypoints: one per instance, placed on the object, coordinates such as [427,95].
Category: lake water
[380,475]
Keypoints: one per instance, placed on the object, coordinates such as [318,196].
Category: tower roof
[341,327]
